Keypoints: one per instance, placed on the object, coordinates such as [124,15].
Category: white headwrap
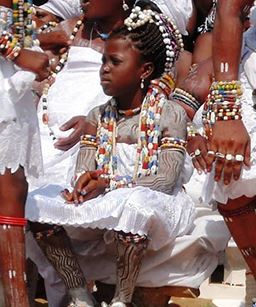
[179,10]
[63,8]
[253,16]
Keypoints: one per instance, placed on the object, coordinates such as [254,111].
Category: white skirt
[137,210]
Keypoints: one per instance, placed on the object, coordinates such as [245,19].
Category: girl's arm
[171,160]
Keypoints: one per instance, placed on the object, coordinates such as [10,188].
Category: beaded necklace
[130,112]
[148,139]
[48,27]
[24,27]
[52,77]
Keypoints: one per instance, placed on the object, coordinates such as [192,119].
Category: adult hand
[55,41]
[78,123]
[40,64]
[197,149]
[228,139]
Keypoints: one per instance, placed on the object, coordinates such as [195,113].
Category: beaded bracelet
[173,143]
[88,140]
[117,182]
[223,102]
[191,130]
[186,98]
[9,46]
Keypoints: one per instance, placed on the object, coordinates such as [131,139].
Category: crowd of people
[108,110]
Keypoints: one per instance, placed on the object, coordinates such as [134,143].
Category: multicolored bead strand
[5,19]
[51,79]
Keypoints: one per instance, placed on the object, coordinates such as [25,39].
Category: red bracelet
[15,221]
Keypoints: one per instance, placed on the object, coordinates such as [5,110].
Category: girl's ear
[148,69]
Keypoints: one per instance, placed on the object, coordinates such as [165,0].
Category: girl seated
[130,166]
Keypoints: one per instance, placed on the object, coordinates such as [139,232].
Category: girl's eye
[116,61]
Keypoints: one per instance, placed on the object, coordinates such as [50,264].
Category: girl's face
[121,68]
[96,9]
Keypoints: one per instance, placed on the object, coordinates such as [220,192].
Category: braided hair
[150,39]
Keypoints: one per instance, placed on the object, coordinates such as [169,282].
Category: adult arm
[228,137]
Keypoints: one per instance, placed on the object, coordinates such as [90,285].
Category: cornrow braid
[148,40]
[155,36]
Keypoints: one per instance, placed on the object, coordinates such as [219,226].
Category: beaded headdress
[172,37]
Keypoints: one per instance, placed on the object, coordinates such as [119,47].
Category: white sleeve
[250,69]
[12,89]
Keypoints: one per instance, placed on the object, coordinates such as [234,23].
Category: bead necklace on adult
[77,37]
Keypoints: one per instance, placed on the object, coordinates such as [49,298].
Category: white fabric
[179,10]
[176,256]
[19,136]
[164,217]
[249,56]
[75,92]
[253,16]
[186,260]
[63,8]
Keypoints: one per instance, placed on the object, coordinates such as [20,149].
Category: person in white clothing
[20,153]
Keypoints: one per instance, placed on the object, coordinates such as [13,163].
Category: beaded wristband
[186,98]
[117,182]
[191,130]
[223,102]
[14,53]
[88,140]
[173,143]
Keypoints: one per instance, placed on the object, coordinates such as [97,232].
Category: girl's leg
[240,217]
[13,193]
[56,245]
[130,252]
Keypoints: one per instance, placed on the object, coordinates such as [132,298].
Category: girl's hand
[230,141]
[197,149]
[88,186]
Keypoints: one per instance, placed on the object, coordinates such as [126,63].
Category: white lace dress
[19,134]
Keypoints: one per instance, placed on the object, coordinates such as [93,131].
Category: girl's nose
[106,68]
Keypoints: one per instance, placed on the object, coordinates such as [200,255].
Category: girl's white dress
[19,134]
